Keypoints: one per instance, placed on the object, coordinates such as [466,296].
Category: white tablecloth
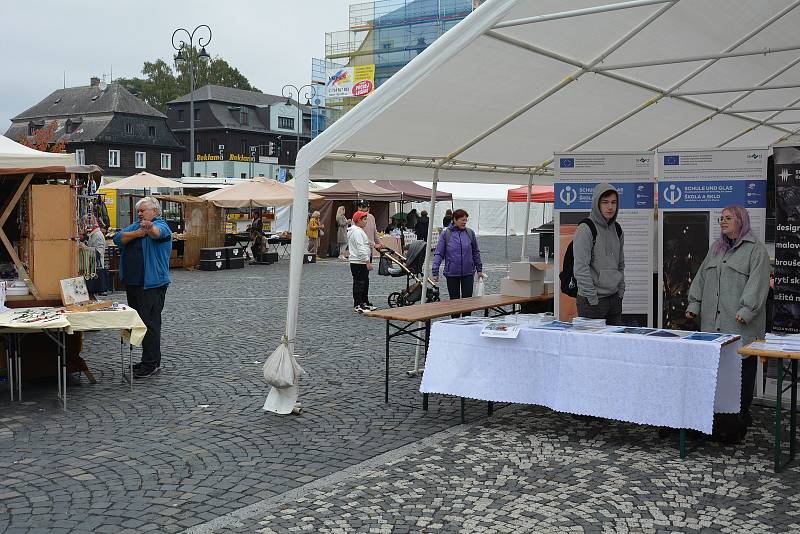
[641,379]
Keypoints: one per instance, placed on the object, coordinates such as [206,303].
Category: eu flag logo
[672,160]
[566,163]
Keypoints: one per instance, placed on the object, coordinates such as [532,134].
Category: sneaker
[144,372]
[369,307]
[358,309]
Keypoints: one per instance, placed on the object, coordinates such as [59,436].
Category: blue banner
[578,196]
[712,194]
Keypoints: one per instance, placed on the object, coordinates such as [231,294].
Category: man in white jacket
[360,264]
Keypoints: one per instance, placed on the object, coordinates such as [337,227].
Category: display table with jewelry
[57,323]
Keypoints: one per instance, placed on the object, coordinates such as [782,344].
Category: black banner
[786,314]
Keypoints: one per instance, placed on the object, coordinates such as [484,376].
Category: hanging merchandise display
[786,311]
[631,174]
[694,187]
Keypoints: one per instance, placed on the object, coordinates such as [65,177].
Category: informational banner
[786,310]
[631,173]
[694,187]
[350,81]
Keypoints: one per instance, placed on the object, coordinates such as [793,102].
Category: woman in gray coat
[729,291]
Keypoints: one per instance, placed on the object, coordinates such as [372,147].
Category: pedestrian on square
[341,232]
[145,247]
[447,219]
[97,241]
[411,219]
[371,229]
[313,232]
[599,266]
[729,292]
[421,228]
[360,263]
[458,248]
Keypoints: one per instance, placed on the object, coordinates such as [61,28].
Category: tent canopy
[143,180]
[636,75]
[539,193]
[412,191]
[20,159]
[258,192]
[358,190]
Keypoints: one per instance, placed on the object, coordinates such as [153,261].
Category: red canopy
[539,193]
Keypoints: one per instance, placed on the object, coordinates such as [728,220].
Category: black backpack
[569,286]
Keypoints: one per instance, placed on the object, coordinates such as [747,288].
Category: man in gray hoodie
[599,261]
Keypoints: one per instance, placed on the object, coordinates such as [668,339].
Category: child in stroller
[395,264]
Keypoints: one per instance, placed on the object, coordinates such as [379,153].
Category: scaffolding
[388,34]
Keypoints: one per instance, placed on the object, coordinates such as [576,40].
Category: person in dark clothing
[421,228]
[411,219]
[145,248]
[447,219]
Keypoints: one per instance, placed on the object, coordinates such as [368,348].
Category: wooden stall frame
[12,203]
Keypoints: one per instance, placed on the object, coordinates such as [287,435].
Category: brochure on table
[632,173]
[786,310]
[694,187]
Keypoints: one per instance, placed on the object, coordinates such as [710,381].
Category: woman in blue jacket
[458,248]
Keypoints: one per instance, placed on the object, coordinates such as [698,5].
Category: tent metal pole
[736,90]
[524,254]
[563,83]
[696,72]
[763,110]
[750,129]
[426,267]
[692,59]
[781,122]
[577,13]
[508,204]
[728,105]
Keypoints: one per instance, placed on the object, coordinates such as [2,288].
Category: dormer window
[72,124]
[244,117]
[129,128]
[35,125]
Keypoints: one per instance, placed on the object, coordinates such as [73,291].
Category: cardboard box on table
[525,279]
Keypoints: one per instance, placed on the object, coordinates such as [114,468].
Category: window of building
[244,117]
[70,126]
[166,162]
[151,131]
[31,128]
[113,158]
[286,123]
[140,160]
[196,114]
[80,156]
[180,115]
[129,128]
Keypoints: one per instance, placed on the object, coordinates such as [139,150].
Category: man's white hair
[150,202]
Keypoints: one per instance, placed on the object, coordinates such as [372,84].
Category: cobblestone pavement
[191,446]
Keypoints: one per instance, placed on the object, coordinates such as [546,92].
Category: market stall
[346,193]
[196,224]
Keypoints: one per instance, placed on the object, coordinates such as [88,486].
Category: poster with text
[786,310]
[350,81]
[693,188]
[631,173]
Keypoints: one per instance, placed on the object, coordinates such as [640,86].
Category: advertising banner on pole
[786,310]
[632,174]
[350,81]
[694,186]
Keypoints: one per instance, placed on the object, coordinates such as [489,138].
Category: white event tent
[517,80]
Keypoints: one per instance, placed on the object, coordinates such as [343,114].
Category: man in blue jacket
[145,248]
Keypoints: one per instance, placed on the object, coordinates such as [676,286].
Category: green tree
[161,83]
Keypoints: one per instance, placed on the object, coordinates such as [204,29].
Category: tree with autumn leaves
[44,139]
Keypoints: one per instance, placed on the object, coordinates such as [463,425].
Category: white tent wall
[488,216]
[634,75]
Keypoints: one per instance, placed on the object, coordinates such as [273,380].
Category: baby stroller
[395,264]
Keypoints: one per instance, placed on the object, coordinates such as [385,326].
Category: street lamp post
[309,92]
[188,49]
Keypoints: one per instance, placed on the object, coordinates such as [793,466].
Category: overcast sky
[270,41]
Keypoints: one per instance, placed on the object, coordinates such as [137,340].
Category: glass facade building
[388,34]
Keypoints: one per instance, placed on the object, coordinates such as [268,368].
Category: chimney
[94,81]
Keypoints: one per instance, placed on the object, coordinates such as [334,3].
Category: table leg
[463,419]
[9,365]
[793,413]
[63,342]
[130,364]
[682,443]
[779,395]
[427,343]
[122,358]
[386,383]
[18,357]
